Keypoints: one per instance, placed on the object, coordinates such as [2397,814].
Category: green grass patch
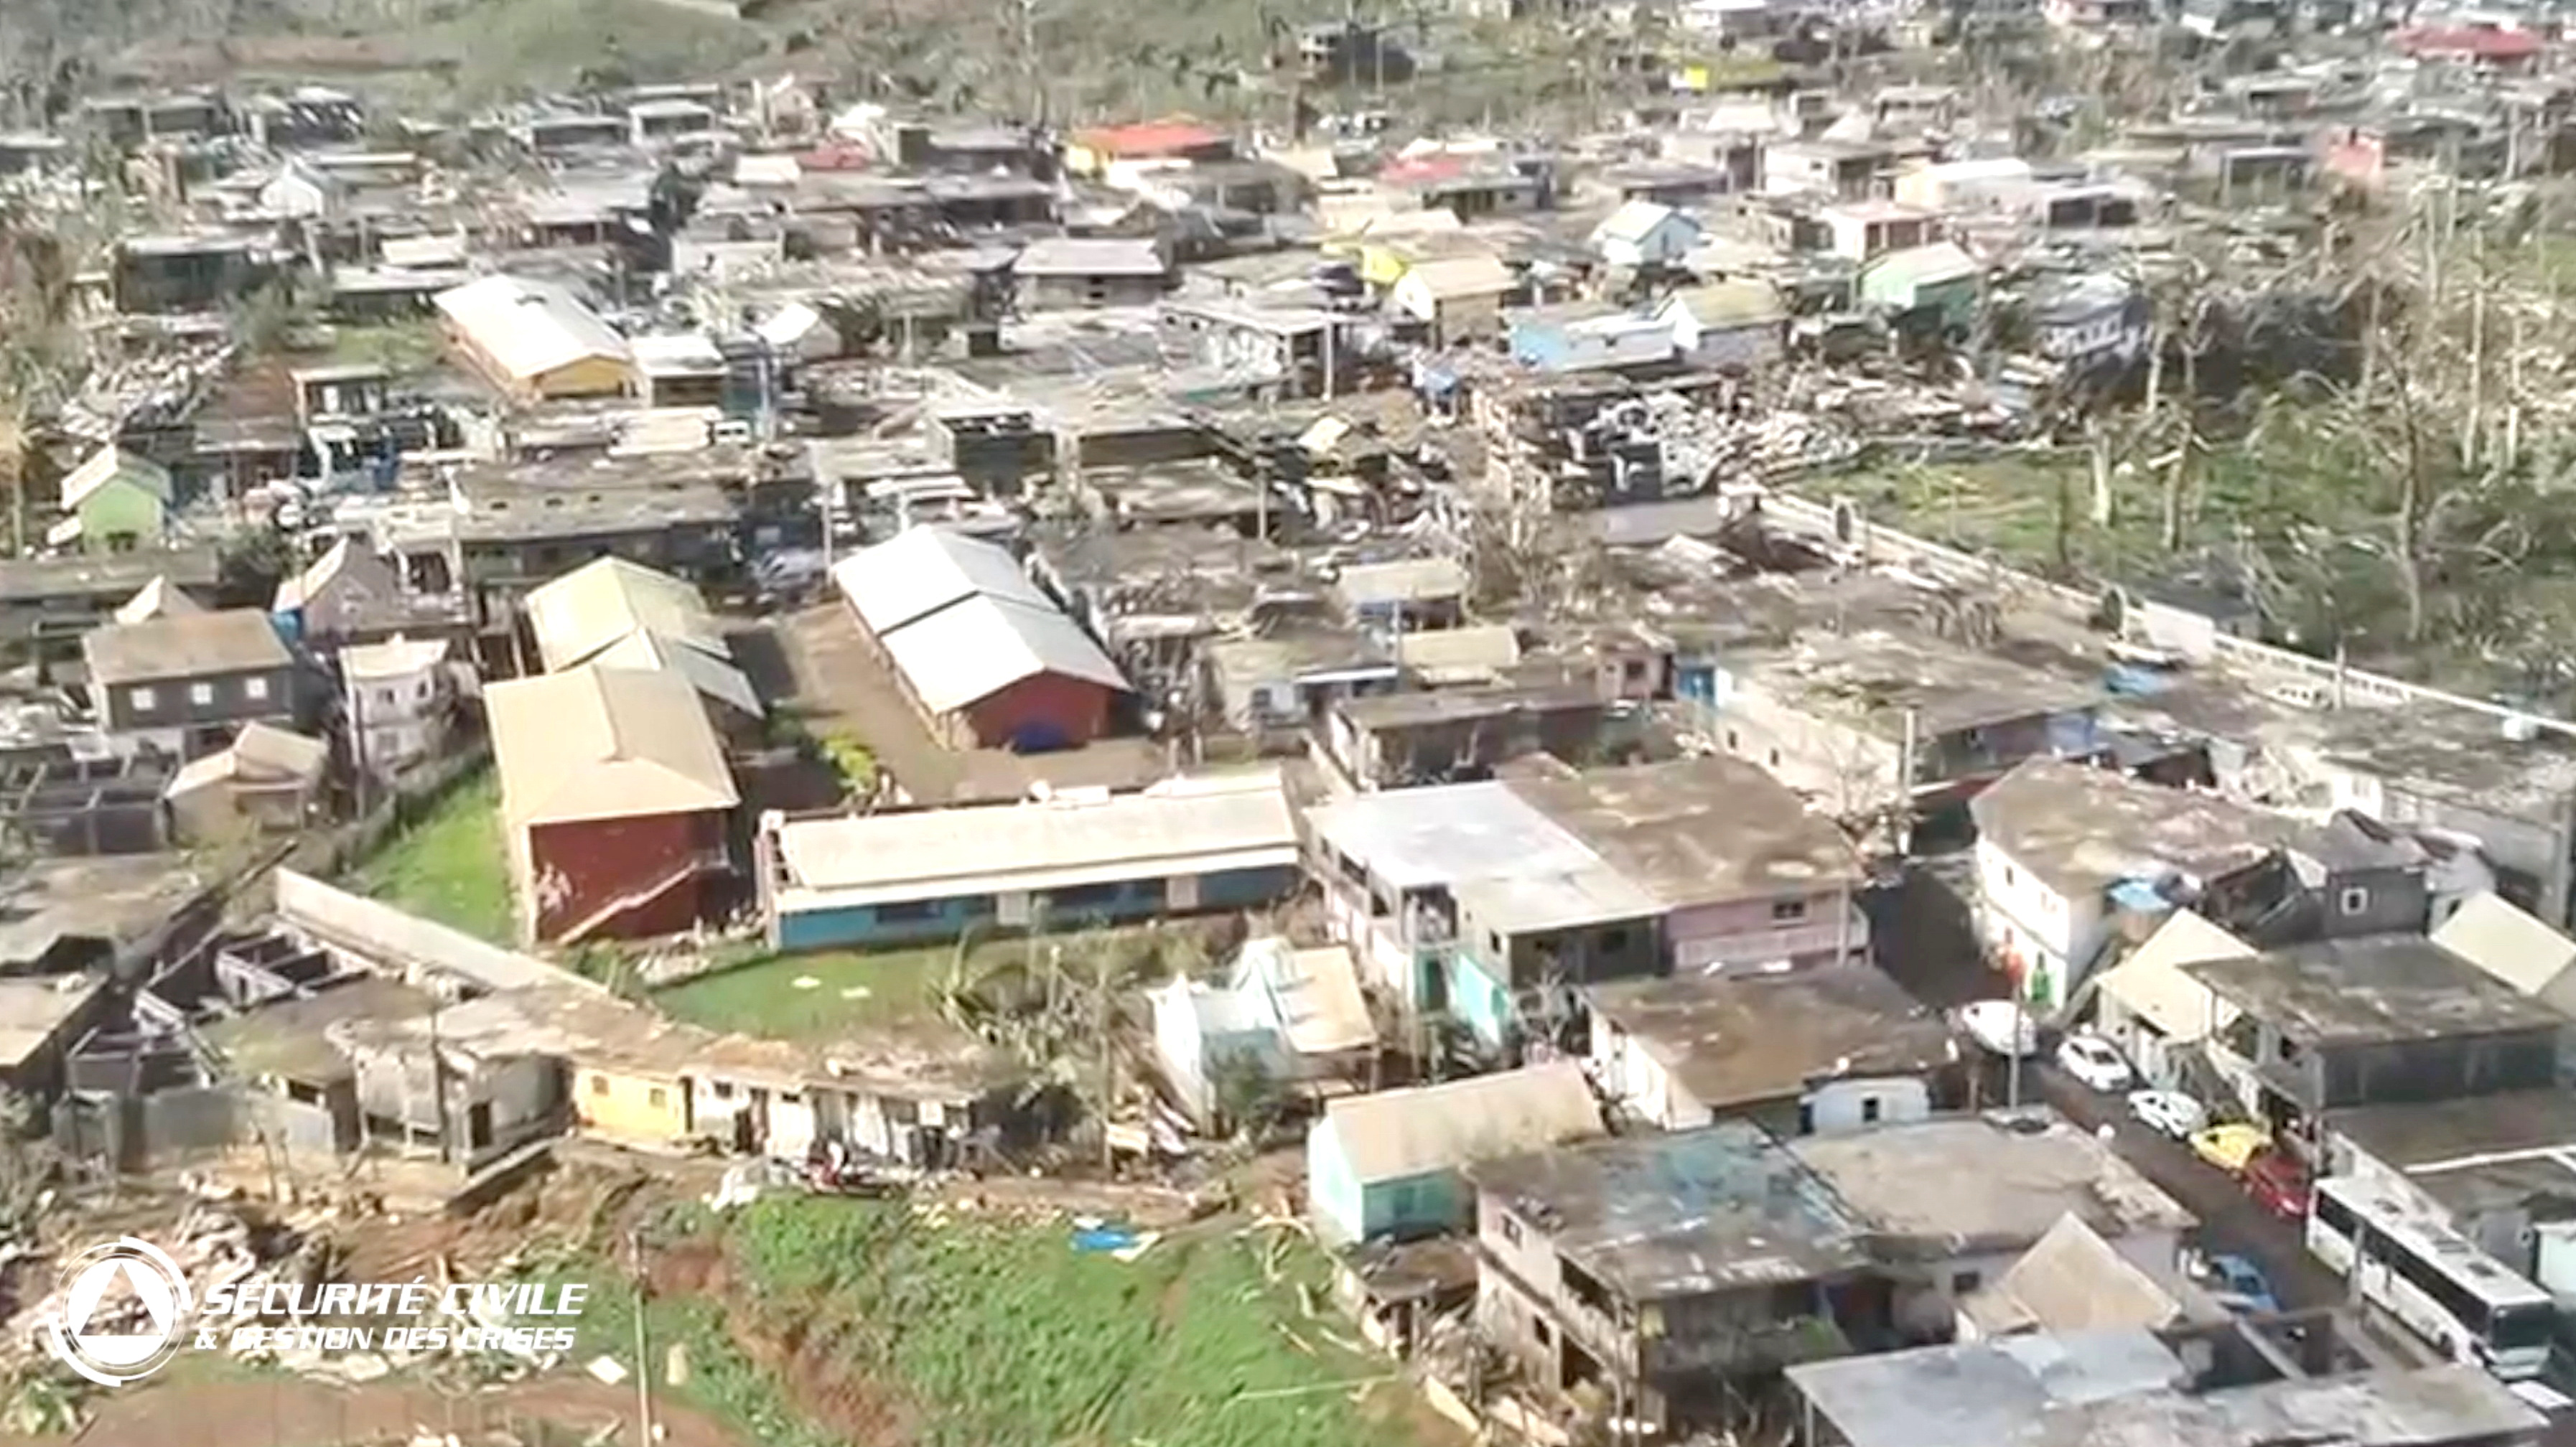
[1001,1335]
[450,865]
[851,989]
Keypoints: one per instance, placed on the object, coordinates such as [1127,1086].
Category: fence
[1949,565]
[414,796]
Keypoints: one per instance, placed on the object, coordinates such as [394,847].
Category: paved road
[2230,1220]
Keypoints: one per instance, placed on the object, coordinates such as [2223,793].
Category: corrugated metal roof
[921,570]
[713,677]
[971,650]
[1396,1134]
[604,743]
[1180,827]
[2508,944]
[530,328]
[2152,985]
[580,615]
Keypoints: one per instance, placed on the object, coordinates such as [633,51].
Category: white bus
[2417,1269]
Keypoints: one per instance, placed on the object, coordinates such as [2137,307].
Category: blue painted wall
[1480,1000]
[845,926]
[860,926]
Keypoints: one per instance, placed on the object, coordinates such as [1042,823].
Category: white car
[2095,1061]
[2168,1112]
[2000,1026]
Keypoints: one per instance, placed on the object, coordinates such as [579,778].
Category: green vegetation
[851,990]
[1000,1334]
[405,349]
[450,865]
[854,761]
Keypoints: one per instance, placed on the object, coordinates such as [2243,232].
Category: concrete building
[1660,1266]
[1498,899]
[185,683]
[1954,1201]
[1223,842]
[2379,1020]
[400,698]
[2065,850]
[1809,1051]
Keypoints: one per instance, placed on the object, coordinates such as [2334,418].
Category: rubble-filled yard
[450,865]
[807,1321]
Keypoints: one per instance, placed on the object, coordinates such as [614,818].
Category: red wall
[1078,709]
[598,861]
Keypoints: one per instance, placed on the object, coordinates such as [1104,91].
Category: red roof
[1435,166]
[2478,42]
[1151,138]
[835,156]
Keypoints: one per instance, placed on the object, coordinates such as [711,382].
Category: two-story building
[185,683]
[2065,852]
[1875,722]
[2376,1020]
[400,697]
[1954,1201]
[1658,1267]
[1494,901]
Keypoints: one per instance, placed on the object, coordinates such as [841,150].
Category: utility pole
[2013,1052]
[644,1434]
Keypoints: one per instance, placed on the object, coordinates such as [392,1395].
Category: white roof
[2510,945]
[677,353]
[393,658]
[788,325]
[923,569]
[973,649]
[2153,985]
[1182,826]
[530,328]
[105,466]
[1979,168]
[159,598]
[1633,221]
[1396,1134]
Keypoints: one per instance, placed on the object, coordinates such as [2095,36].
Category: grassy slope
[987,1334]
[451,866]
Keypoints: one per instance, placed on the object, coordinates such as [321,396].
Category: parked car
[2276,1179]
[2168,1112]
[2229,1147]
[2095,1061]
[2000,1026]
[2236,1283]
